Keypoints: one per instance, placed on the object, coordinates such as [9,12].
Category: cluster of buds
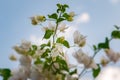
[37,19]
[71,15]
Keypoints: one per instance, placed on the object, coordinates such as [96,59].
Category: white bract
[82,58]
[113,56]
[23,48]
[79,39]
[62,27]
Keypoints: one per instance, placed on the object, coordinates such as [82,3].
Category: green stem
[56,28]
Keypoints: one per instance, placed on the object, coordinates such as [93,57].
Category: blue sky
[96,19]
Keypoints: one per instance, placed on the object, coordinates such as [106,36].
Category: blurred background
[94,18]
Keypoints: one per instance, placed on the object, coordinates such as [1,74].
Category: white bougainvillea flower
[19,74]
[79,39]
[36,75]
[23,48]
[113,56]
[38,53]
[57,51]
[71,77]
[50,26]
[82,58]
[62,27]
[25,61]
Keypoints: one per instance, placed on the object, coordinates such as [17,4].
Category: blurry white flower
[19,75]
[62,27]
[81,57]
[109,73]
[50,27]
[25,61]
[79,39]
[23,48]
[113,56]
[36,75]
[58,50]
[71,77]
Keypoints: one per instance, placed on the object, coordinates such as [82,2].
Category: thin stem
[56,28]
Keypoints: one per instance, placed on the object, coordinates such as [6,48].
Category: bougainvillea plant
[49,61]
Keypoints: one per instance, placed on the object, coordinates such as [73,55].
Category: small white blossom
[81,57]
[79,39]
[62,27]
[25,61]
[19,75]
[23,48]
[50,27]
[58,50]
[113,56]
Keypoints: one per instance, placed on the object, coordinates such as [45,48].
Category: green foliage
[96,71]
[45,54]
[104,45]
[53,16]
[5,73]
[48,34]
[62,8]
[94,47]
[45,45]
[62,63]
[115,34]
[32,50]
[38,61]
[63,41]
[73,72]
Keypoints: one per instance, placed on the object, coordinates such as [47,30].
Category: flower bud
[72,14]
[34,21]
[40,18]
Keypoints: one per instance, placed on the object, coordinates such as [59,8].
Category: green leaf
[115,34]
[96,71]
[66,44]
[66,6]
[45,54]
[60,19]
[5,73]
[53,16]
[117,27]
[48,34]
[60,40]
[94,47]
[104,45]
[45,45]
[73,72]
[38,61]
[66,16]
[34,47]
[62,63]
[58,5]
[63,41]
